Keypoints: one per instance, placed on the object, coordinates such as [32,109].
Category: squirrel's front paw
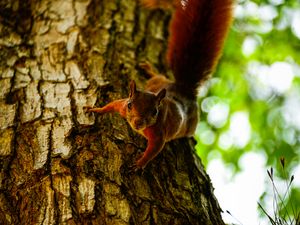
[134,168]
[87,108]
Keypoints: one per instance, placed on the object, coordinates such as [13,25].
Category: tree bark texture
[60,165]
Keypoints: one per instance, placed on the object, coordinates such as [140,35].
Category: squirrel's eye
[129,105]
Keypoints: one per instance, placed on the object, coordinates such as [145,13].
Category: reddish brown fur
[168,110]
[197,35]
[165,4]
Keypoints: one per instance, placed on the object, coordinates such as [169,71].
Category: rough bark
[60,165]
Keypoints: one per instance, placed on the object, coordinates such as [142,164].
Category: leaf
[264,211]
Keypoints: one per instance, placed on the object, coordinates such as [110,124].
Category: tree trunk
[56,57]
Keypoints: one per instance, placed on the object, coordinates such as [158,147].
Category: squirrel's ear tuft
[161,94]
[132,88]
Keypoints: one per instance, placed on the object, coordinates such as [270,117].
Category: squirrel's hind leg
[148,68]
[157,81]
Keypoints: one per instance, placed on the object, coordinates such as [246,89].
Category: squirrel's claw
[134,169]
[92,109]
[87,108]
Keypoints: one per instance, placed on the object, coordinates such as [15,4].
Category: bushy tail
[197,34]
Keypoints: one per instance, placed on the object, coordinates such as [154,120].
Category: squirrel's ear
[161,94]
[132,88]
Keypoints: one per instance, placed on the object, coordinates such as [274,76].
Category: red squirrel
[167,109]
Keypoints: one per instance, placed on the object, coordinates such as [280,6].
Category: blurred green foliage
[255,91]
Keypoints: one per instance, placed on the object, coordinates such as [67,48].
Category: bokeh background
[250,114]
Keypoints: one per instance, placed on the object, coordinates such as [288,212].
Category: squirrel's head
[143,107]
